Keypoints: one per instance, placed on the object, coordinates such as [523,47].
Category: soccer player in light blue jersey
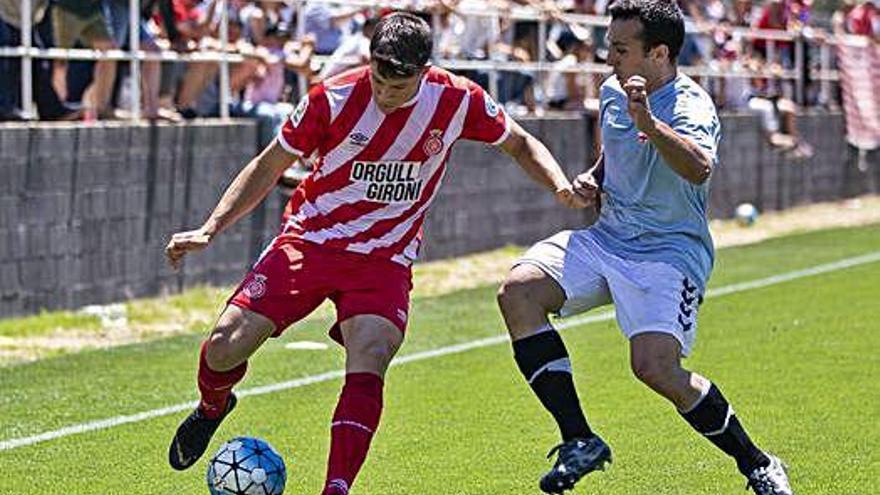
[649,252]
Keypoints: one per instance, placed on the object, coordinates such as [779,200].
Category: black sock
[714,418]
[543,361]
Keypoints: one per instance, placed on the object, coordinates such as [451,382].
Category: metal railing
[135,56]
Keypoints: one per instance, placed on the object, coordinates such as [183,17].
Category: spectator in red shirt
[774,15]
[864,19]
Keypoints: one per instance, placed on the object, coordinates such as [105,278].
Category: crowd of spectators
[275,64]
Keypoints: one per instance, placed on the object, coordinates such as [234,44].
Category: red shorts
[293,277]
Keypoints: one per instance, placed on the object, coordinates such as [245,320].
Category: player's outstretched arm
[539,163]
[250,186]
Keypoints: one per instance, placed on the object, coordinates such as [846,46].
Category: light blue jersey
[651,213]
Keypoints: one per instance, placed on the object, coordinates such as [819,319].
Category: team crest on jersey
[492,108]
[434,143]
[256,287]
[300,111]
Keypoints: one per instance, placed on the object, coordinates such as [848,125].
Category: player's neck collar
[415,98]
[664,84]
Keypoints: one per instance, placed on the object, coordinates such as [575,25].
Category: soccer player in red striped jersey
[382,134]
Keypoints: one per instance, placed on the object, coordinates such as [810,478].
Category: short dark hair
[662,22]
[401,45]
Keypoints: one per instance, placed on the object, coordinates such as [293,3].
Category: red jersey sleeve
[485,120]
[307,125]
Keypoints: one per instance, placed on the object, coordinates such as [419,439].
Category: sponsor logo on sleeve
[300,111]
[492,108]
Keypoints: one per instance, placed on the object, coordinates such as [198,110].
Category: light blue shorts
[648,296]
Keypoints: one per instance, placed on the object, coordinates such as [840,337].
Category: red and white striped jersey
[377,174]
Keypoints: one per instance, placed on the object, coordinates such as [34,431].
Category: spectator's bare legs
[782,140]
[59,78]
[199,74]
[197,77]
[788,112]
[529,97]
[99,93]
[243,73]
[150,77]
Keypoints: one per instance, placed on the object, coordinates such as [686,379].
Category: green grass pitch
[799,361]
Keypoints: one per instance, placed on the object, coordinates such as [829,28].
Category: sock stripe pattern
[723,428]
[215,386]
[340,485]
[711,415]
[351,423]
[535,352]
[714,418]
[561,364]
[354,423]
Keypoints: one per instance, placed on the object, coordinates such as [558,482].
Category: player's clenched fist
[587,187]
[184,242]
[638,107]
[568,197]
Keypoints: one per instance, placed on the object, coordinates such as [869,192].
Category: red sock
[354,422]
[215,386]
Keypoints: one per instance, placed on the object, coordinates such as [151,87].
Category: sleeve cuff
[505,133]
[287,147]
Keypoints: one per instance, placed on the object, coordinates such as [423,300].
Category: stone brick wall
[86,210]
[751,171]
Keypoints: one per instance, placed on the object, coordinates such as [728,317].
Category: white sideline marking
[14,443]
[305,345]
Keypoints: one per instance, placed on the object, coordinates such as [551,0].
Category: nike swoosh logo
[183,458]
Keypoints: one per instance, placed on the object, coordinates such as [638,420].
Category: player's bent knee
[527,290]
[373,355]
[237,335]
[221,353]
[370,342]
[515,294]
[377,350]
[652,371]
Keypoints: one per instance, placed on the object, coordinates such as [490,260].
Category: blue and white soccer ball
[246,466]
[746,214]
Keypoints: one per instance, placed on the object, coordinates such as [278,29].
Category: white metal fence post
[134,44]
[799,68]
[27,75]
[435,28]
[824,67]
[224,62]
[300,9]
[540,79]
[493,72]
